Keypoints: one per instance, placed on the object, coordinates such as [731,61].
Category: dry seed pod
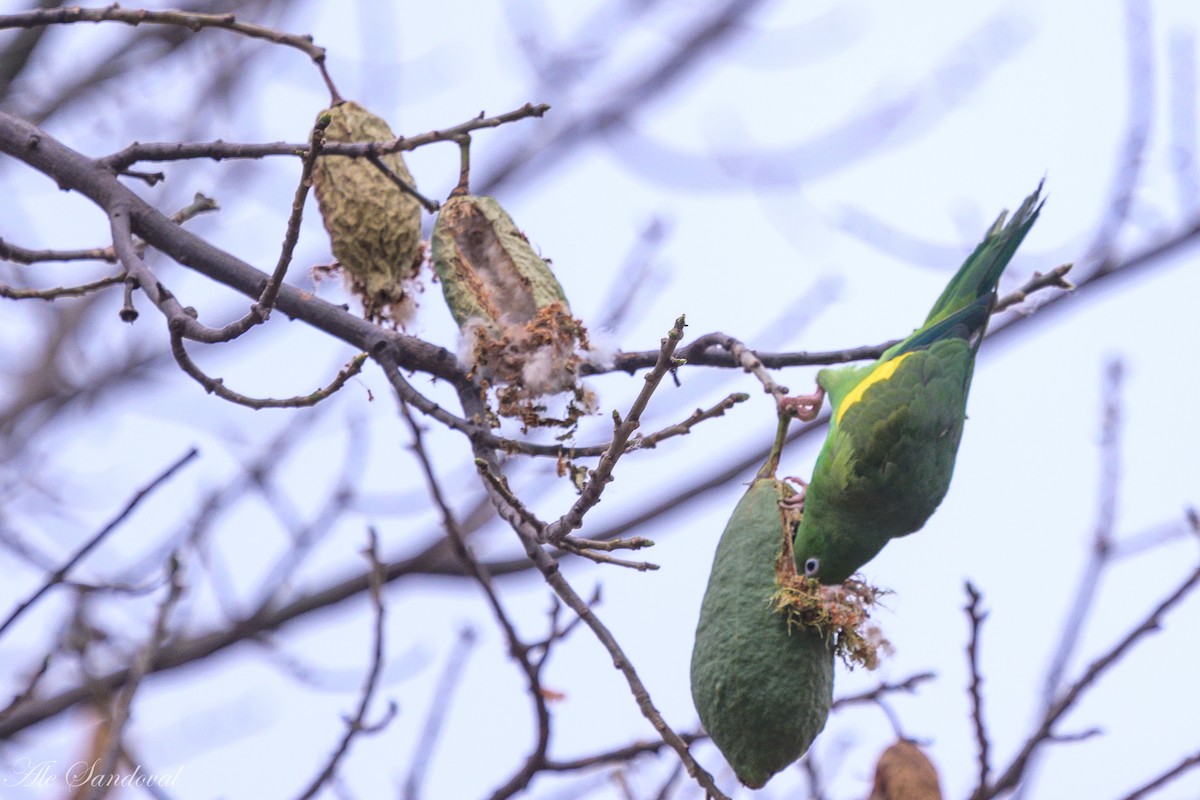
[903,772]
[517,327]
[763,688]
[374,225]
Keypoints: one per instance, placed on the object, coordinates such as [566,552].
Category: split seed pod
[763,688]
[374,225]
[516,325]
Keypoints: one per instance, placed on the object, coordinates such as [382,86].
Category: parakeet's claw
[803,407]
[796,501]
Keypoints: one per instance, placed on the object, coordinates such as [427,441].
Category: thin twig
[191,20]
[519,651]
[217,385]
[176,151]
[977,617]
[439,704]
[668,785]
[556,531]
[31,685]
[1181,56]
[745,358]
[524,518]
[429,205]
[109,254]
[632,543]
[1055,278]
[592,549]
[138,273]
[185,325]
[474,431]
[141,667]
[1099,554]
[82,289]
[816,786]
[1139,41]
[1166,777]
[715,349]
[908,685]
[548,567]
[647,442]
[702,352]
[60,574]
[24,255]
[685,426]
[619,755]
[266,301]
[307,534]
[357,724]
[601,558]
[1103,533]
[1045,731]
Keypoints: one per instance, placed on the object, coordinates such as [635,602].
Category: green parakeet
[893,436]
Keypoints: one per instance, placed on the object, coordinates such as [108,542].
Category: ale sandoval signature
[30,773]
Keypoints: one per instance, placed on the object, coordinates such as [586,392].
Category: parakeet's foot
[796,501]
[803,407]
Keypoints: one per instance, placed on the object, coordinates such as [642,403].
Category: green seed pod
[374,225]
[763,688]
[489,271]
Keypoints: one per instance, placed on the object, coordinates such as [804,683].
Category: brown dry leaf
[904,772]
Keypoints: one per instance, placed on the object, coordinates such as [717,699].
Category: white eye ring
[811,566]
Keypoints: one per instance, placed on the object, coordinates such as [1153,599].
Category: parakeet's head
[819,556]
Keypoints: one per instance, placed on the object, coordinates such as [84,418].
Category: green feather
[888,458]
[981,271]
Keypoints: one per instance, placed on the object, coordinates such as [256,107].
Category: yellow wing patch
[880,373]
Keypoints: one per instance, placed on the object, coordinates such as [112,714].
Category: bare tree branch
[907,686]
[598,478]
[1159,781]
[439,705]
[1015,771]
[191,20]
[60,574]
[1140,71]
[1100,553]
[139,670]
[977,617]
[518,650]
[357,724]
[217,151]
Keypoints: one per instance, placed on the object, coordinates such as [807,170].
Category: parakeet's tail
[980,273]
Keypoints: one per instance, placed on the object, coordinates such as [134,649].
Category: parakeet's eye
[811,566]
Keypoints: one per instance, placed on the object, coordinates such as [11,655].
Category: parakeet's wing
[889,456]
[895,433]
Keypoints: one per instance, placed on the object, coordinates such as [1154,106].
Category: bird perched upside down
[889,455]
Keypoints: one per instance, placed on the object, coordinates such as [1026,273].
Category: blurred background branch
[645,168]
